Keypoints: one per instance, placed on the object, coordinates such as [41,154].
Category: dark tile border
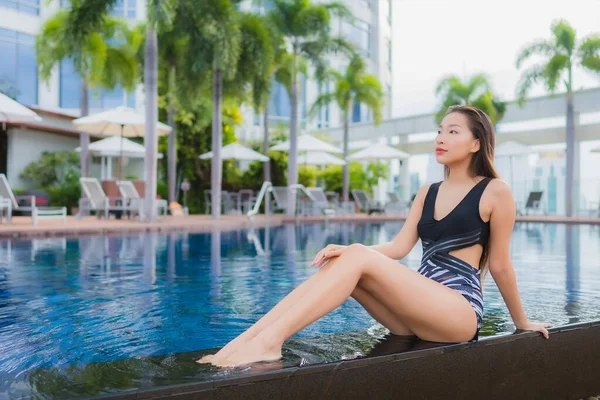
[514,366]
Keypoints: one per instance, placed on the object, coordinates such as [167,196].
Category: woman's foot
[257,349]
[229,349]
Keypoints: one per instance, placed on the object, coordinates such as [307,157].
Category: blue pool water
[68,302]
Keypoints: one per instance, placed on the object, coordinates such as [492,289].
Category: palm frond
[564,36]
[529,78]
[589,53]
[321,101]
[538,48]
[553,70]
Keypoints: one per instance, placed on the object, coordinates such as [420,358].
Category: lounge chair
[280,196]
[227,202]
[246,200]
[9,202]
[395,204]
[365,203]
[534,203]
[135,201]
[96,200]
[320,203]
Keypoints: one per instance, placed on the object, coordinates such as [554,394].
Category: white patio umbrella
[378,151]
[319,158]
[308,143]
[120,121]
[512,149]
[13,111]
[113,147]
[236,151]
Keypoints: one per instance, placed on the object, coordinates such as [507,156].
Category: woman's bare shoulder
[497,194]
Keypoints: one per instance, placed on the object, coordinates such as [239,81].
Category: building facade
[371,33]
[57,100]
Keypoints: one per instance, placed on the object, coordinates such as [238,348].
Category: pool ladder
[267,187]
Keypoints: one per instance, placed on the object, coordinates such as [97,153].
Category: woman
[465,224]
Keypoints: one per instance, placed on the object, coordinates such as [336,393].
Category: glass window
[131,99]
[539,171]
[303,98]
[27,6]
[358,33]
[124,8]
[388,43]
[356,111]
[279,106]
[70,85]
[121,8]
[98,98]
[18,69]
[389,7]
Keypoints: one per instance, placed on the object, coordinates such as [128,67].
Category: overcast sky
[433,38]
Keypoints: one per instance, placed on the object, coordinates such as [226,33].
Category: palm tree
[235,50]
[476,91]
[562,53]
[262,85]
[108,57]
[306,28]
[86,17]
[354,85]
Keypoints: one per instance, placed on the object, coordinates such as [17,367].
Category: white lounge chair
[320,202]
[10,202]
[96,200]
[134,200]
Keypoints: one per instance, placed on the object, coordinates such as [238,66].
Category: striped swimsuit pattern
[452,272]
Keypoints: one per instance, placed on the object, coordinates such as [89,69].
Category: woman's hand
[538,327]
[330,251]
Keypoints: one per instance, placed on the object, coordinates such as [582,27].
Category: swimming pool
[76,311]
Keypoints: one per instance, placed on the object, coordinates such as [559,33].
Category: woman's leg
[430,310]
[374,307]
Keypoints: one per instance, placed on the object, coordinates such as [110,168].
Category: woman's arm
[502,220]
[406,239]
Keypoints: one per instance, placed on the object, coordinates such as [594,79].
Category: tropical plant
[234,49]
[354,85]
[58,174]
[106,59]
[561,53]
[476,91]
[306,28]
[86,17]
[360,178]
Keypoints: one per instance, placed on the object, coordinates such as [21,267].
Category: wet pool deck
[21,226]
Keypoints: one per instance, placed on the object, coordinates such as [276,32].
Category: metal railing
[266,188]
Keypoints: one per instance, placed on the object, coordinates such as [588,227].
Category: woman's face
[454,142]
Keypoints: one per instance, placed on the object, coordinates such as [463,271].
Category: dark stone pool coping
[522,365]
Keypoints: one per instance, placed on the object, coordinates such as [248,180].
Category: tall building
[371,33]
[20,21]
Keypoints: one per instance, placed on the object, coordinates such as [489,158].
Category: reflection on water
[104,313]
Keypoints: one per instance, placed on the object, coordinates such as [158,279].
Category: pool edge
[520,365]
